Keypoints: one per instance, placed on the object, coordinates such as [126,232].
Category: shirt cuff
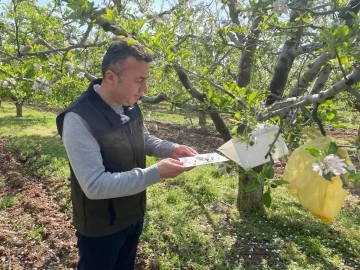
[167,149]
[152,175]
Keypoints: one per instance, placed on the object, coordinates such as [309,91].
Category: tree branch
[118,5]
[16,27]
[215,116]
[307,48]
[86,35]
[187,83]
[285,61]
[154,99]
[309,75]
[321,79]
[302,101]
[354,92]
[247,56]
[54,80]
[316,118]
[313,26]
[321,13]
[76,46]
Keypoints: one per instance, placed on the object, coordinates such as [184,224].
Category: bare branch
[155,99]
[309,75]
[340,64]
[184,38]
[286,60]
[354,92]
[159,15]
[234,14]
[107,27]
[187,83]
[313,26]
[354,6]
[302,101]
[76,46]
[215,116]
[16,27]
[247,56]
[213,66]
[118,5]
[307,48]
[54,80]
[86,35]
[321,79]
[89,76]
[317,119]
[8,54]
[321,13]
[221,89]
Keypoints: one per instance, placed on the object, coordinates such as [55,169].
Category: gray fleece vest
[122,147]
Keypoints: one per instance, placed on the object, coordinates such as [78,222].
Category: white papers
[250,156]
[202,159]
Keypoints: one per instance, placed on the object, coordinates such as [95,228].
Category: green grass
[36,232]
[8,201]
[192,221]
[34,136]
[165,113]
[345,118]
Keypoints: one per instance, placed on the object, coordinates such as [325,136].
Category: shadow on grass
[296,238]
[13,122]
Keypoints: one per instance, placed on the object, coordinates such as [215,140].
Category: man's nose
[144,87]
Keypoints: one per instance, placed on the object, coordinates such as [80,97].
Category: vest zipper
[132,141]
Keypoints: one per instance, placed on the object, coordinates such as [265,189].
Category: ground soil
[38,208]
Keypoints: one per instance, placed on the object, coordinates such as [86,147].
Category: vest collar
[105,108]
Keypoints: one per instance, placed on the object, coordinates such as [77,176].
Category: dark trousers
[115,251]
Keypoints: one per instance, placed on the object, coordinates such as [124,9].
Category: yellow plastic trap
[322,198]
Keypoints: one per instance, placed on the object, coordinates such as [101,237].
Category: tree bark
[309,75]
[286,59]
[247,57]
[19,109]
[202,120]
[220,126]
[248,201]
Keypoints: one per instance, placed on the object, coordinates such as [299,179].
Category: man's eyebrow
[143,78]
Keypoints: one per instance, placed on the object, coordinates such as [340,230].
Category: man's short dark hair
[121,49]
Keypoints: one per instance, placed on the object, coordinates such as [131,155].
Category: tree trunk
[220,126]
[19,107]
[202,120]
[248,201]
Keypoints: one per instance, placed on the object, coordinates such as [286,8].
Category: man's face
[131,84]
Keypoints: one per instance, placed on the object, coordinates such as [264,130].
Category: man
[106,143]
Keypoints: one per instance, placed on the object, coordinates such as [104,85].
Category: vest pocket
[111,140]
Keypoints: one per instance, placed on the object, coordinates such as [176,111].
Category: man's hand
[182,151]
[170,168]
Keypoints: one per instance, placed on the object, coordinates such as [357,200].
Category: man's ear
[110,77]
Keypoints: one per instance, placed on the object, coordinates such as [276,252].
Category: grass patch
[165,113]
[34,136]
[8,201]
[347,119]
[192,222]
[36,232]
